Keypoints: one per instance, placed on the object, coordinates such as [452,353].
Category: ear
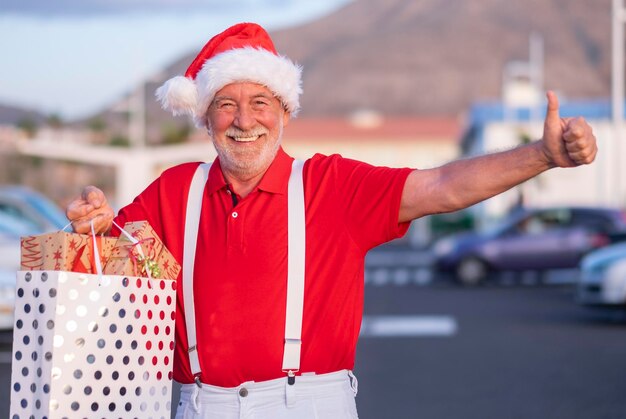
[286,118]
[207,125]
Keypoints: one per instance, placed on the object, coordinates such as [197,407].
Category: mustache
[238,133]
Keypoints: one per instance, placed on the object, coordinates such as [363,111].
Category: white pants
[325,396]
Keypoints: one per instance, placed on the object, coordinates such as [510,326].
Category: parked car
[529,239]
[11,229]
[31,207]
[603,277]
[22,212]
[7,298]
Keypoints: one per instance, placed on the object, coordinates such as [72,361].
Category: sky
[72,58]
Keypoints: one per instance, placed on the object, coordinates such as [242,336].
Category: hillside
[13,115]
[438,56]
[433,57]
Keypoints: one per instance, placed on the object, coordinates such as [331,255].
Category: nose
[244,118]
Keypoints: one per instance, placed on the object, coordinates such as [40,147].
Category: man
[240,358]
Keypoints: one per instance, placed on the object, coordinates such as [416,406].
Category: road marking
[392,259]
[423,276]
[380,277]
[408,326]
[400,277]
[562,276]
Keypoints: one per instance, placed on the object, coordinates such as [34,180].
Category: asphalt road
[500,351]
[518,352]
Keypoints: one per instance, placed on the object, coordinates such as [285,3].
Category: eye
[224,104]
[260,103]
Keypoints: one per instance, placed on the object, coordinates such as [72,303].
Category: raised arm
[566,142]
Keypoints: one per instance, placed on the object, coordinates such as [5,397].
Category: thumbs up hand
[567,142]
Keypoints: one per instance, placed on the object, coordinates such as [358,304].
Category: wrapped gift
[142,254]
[54,251]
[85,260]
[63,251]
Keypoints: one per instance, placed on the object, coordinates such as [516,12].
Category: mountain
[12,115]
[439,56]
[432,57]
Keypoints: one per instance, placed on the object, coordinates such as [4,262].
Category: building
[384,141]
[494,127]
[369,137]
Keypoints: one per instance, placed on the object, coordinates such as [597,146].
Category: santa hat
[244,52]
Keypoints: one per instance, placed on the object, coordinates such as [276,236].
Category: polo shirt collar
[275,179]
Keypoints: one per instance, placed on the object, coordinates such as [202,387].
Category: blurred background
[498,296]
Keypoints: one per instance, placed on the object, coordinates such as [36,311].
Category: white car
[7,298]
[32,208]
[603,277]
[23,212]
[11,228]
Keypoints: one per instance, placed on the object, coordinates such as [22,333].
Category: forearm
[465,182]
[566,142]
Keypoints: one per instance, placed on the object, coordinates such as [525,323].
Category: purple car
[529,239]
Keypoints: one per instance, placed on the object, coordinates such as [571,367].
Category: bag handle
[135,242]
[98,263]
[96,254]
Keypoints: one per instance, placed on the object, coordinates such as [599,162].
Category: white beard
[248,163]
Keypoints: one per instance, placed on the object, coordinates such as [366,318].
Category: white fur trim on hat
[277,73]
[178,95]
[184,96]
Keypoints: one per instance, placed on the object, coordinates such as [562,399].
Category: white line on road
[380,277]
[398,257]
[408,326]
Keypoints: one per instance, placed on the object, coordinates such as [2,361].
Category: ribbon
[144,265]
[142,259]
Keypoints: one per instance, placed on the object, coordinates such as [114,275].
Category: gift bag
[89,345]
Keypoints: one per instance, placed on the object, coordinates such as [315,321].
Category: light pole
[535,55]
[617,93]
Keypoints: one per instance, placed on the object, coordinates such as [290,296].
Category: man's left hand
[567,142]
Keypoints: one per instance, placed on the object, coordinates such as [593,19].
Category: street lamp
[617,92]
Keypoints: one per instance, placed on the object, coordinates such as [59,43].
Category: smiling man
[273,250]
[246,123]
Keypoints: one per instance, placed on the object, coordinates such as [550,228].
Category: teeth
[245,139]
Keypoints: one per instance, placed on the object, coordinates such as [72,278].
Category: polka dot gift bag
[92,345]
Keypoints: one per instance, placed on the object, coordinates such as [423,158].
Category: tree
[97,124]
[29,126]
[54,121]
[119,141]
[175,134]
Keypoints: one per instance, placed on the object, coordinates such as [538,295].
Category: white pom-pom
[179,95]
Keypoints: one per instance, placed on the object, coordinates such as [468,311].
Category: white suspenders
[296,243]
[295,270]
[192,222]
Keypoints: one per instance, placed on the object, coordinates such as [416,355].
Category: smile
[246,139]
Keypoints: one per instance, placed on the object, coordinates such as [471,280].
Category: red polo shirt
[241,263]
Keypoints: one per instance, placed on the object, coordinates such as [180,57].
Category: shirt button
[243,392]
[234,214]
[228,191]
